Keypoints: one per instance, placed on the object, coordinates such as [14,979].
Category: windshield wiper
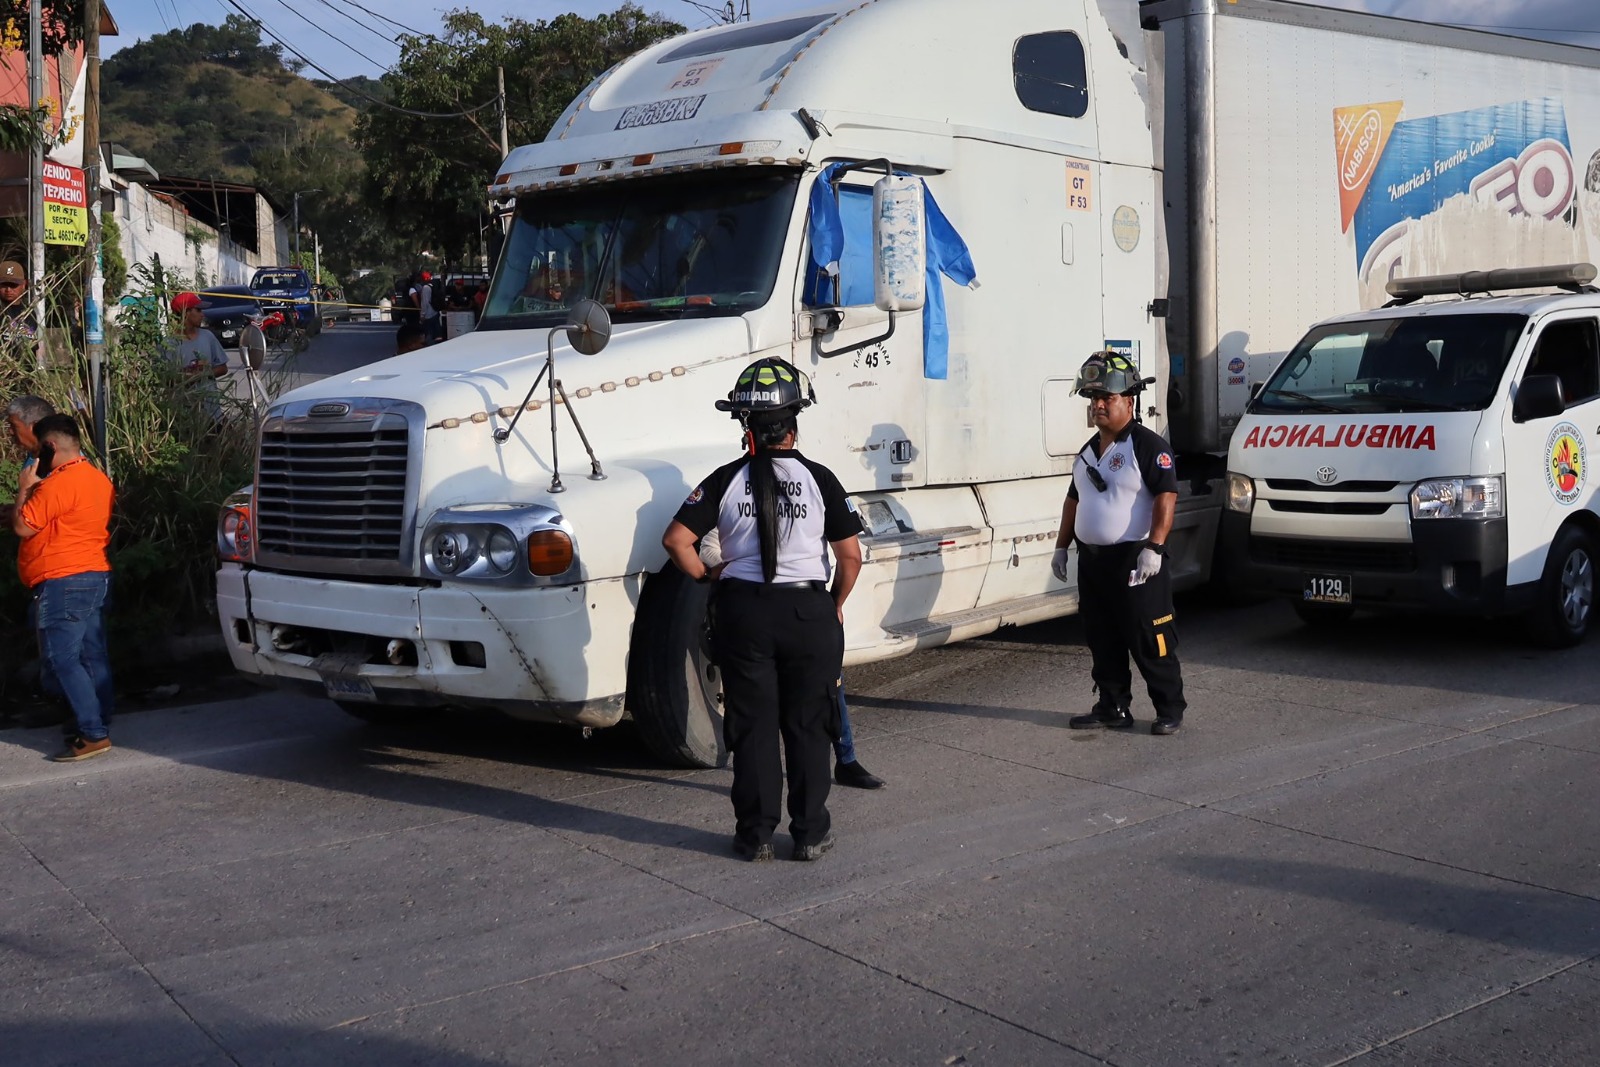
[1307,401]
[1414,401]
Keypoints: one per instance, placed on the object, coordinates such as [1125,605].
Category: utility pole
[316,254]
[94,291]
[36,173]
[297,229]
[505,133]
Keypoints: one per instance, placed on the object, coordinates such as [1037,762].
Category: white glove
[1148,566]
[1058,565]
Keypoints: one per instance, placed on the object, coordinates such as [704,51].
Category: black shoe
[856,776]
[749,850]
[1099,718]
[806,853]
[1161,727]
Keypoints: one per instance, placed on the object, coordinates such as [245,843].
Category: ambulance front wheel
[674,690]
[1560,618]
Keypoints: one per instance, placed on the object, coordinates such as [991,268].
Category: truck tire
[674,690]
[1322,614]
[1560,618]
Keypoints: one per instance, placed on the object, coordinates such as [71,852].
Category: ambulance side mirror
[899,237]
[1538,397]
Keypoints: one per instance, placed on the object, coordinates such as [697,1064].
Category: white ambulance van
[1432,454]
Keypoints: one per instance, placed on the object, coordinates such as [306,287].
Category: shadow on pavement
[1528,919]
[175,1043]
[398,766]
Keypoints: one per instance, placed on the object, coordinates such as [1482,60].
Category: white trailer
[394,552]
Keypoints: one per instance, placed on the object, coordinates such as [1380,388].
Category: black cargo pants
[1120,620]
[780,649]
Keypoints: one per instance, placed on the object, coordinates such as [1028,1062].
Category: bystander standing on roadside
[16,314]
[21,415]
[422,296]
[198,354]
[408,338]
[64,522]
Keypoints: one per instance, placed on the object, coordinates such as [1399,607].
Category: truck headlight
[453,551]
[236,540]
[1459,498]
[512,544]
[1241,492]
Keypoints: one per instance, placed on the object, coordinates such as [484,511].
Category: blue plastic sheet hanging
[832,252]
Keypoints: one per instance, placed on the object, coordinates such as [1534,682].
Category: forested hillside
[214,100]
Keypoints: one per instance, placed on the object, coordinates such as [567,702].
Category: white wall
[153,226]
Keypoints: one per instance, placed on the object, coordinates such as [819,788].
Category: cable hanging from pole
[350,88]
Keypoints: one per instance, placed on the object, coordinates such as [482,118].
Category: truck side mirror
[588,326]
[899,237]
[1538,397]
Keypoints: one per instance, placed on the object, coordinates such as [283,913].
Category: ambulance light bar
[1573,277]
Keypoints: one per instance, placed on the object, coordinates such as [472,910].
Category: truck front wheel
[674,690]
[1560,618]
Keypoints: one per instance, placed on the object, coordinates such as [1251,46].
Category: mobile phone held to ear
[47,458]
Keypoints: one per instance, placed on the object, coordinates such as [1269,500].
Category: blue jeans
[844,749]
[69,618]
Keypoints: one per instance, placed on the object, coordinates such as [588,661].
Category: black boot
[856,776]
[1102,718]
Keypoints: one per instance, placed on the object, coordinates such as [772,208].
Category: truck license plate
[1327,589]
[338,672]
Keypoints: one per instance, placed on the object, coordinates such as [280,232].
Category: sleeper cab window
[1052,74]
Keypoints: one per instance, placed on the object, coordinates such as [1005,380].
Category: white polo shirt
[1136,468]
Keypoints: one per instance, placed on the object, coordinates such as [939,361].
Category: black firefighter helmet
[769,386]
[1110,372]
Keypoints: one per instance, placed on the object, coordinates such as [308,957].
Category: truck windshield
[650,249]
[1408,363]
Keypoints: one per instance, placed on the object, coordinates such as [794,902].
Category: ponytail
[766,486]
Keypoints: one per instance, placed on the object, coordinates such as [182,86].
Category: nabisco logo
[1358,155]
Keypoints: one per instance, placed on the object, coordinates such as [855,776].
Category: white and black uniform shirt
[1136,469]
[812,511]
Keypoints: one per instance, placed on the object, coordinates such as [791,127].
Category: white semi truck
[405,546]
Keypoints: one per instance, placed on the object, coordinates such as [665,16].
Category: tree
[427,176]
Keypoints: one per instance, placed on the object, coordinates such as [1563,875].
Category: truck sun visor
[947,255]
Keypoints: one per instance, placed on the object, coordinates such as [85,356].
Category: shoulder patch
[1164,461]
[695,497]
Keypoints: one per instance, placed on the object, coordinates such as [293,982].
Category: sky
[349,41]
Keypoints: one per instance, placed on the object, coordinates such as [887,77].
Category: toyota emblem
[1327,475]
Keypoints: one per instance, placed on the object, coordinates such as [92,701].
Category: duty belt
[814,584]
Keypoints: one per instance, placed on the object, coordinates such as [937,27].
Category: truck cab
[1430,455]
[418,534]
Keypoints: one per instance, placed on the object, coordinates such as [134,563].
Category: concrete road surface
[1370,846]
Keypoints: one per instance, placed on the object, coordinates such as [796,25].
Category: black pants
[780,651]
[1119,620]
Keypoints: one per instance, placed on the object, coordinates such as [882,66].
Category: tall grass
[171,463]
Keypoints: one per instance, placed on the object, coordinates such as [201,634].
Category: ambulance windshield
[674,247]
[1401,364]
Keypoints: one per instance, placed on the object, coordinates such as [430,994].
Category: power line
[352,89]
[339,40]
[351,18]
[1524,29]
[390,21]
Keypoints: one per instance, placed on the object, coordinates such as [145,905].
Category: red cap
[427,276]
[185,301]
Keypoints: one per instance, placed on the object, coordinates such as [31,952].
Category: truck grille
[334,484]
[1333,555]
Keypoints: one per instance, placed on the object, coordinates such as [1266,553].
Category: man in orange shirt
[64,520]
